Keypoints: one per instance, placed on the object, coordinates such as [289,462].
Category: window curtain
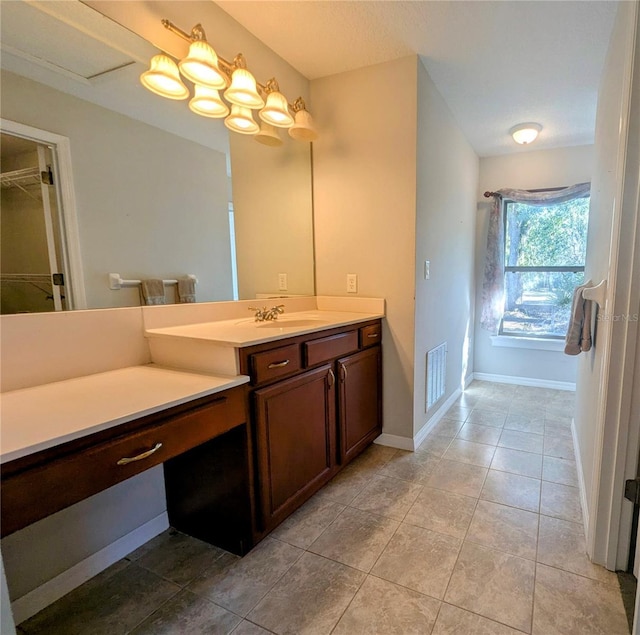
[493,283]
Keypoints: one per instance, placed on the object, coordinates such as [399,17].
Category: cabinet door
[360,401]
[295,434]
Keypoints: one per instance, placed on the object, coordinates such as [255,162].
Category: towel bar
[597,293]
[116,282]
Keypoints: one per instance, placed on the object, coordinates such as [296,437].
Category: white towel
[578,338]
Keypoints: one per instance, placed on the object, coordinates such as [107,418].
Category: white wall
[365,208]
[447,180]
[524,170]
[150,204]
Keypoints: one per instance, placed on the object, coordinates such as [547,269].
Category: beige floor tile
[469,452]
[175,556]
[346,485]
[308,522]
[459,478]
[455,621]
[115,601]
[419,559]
[435,444]
[561,544]
[355,538]
[467,400]
[525,441]
[561,426]
[248,628]
[559,471]
[480,434]
[387,496]
[442,511]
[505,528]
[310,598]
[493,584]
[238,584]
[569,604]
[459,413]
[512,490]
[487,417]
[384,607]
[524,423]
[447,427]
[376,455]
[560,447]
[188,613]
[561,501]
[493,403]
[531,409]
[411,466]
[517,462]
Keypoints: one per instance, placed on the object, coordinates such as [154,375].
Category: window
[544,251]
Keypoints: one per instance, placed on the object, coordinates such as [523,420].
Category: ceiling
[496,63]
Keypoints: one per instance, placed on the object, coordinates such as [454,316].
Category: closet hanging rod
[116,282]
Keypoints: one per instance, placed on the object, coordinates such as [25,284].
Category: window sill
[527,342]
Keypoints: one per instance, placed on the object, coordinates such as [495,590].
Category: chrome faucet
[268,315]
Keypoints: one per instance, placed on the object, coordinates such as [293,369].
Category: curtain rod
[490,194]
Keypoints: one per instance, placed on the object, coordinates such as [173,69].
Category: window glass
[545,251]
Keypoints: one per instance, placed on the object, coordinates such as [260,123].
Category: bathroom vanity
[248,420]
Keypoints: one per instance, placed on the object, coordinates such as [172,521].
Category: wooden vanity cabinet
[316,403]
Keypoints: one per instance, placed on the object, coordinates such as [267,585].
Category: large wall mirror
[158,191]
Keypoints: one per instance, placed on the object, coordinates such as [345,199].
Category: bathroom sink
[293,323]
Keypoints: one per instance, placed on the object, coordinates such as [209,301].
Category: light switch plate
[282,282]
[352,283]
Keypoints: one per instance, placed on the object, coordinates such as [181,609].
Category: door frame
[618,436]
[72,256]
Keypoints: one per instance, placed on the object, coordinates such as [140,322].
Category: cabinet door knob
[130,459]
[332,378]
[278,364]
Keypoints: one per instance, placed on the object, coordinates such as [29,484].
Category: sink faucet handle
[278,309]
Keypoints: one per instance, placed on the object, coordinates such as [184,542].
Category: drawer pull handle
[343,372]
[372,335]
[278,364]
[139,457]
[332,378]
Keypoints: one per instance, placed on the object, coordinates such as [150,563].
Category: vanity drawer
[279,362]
[370,335]
[328,348]
[39,491]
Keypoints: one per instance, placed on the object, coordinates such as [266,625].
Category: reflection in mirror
[152,183]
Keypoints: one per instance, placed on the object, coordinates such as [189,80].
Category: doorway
[40,263]
[31,275]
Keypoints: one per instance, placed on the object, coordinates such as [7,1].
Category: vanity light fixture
[241,120]
[525,133]
[208,103]
[268,136]
[163,78]
[210,73]
[303,129]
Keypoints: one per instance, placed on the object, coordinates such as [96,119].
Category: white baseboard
[34,601]
[526,381]
[395,441]
[581,484]
[406,443]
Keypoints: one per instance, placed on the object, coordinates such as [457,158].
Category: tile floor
[477,533]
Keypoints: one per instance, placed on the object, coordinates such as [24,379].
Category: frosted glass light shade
[276,111]
[208,103]
[241,120]
[243,91]
[525,133]
[268,136]
[201,66]
[163,78]
[303,129]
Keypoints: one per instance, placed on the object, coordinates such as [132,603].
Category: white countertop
[41,417]
[247,332]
